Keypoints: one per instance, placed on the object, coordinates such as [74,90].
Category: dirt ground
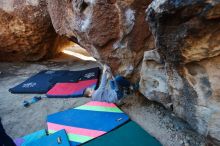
[19,121]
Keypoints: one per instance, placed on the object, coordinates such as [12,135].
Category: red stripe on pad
[104,104]
[71,88]
[75,130]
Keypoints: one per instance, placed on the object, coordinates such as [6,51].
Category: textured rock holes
[199,80]
[80,5]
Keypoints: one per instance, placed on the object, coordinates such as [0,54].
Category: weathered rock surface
[26,32]
[153,82]
[113,31]
[186,31]
[187,62]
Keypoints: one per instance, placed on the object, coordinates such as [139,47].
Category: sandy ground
[19,121]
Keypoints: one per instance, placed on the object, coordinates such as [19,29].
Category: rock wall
[26,32]
[113,31]
[179,64]
[153,78]
[183,73]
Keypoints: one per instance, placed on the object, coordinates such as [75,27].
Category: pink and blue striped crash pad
[71,89]
[87,122]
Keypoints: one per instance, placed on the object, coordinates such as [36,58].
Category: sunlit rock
[26,32]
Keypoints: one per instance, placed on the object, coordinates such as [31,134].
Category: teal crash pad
[29,138]
[129,134]
[57,139]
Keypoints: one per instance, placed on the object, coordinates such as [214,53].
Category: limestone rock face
[187,36]
[153,82]
[113,31]
[26,32]
[190,30]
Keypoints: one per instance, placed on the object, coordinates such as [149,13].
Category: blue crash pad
[81,75]
[57,139]
[30,137]
[46,79]
[39,83]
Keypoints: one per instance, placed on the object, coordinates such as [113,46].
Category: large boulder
[26,31]
[183,73]
[153,78]
[113,31]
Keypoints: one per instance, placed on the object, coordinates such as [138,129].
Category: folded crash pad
[71,89]
[87,122]
[57,139]
[129,134]
[45,80]
[39,83]
[29,138]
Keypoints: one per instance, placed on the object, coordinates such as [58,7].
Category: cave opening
[77,51]
[71,49]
